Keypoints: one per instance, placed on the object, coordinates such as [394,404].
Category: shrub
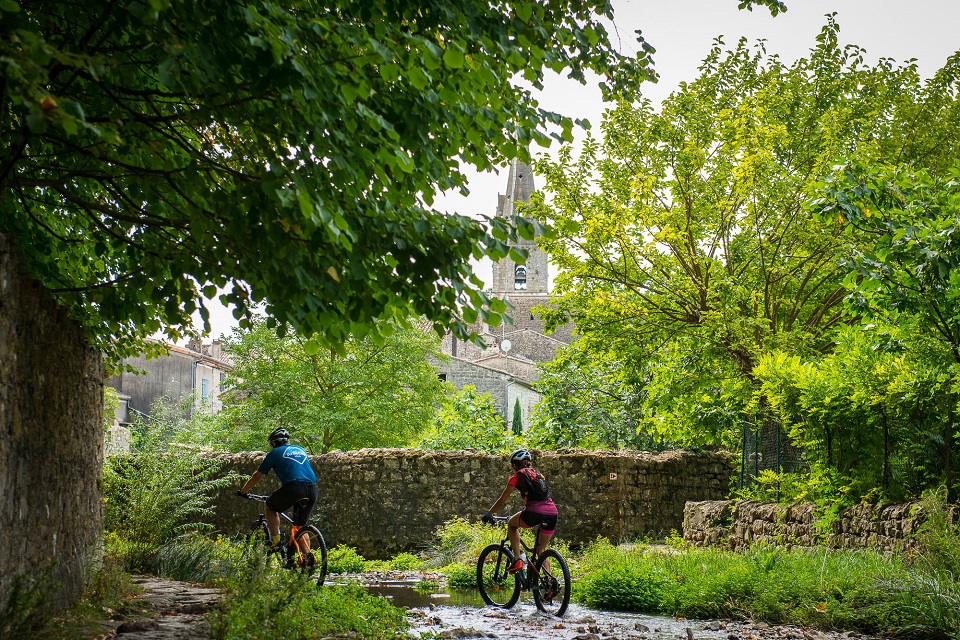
[264,605]
[404,562]
[344,559]
[461,575]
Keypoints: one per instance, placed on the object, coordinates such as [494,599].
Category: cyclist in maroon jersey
[538,509]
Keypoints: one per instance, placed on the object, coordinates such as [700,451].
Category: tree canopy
[373,396]
[285,151]
[684,244]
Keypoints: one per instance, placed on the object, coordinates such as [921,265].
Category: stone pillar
[51,439]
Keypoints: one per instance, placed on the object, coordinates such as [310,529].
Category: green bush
[460,541]
[161,490]
[461,575]
[344,559]
[404,562]
[264,605]
[625,588]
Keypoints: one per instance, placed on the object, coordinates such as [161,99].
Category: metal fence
[766,446]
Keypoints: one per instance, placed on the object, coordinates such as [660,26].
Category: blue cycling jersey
[291,464]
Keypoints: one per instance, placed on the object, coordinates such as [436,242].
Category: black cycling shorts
[548,524]
[302,496]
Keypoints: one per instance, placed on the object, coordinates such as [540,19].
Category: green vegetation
[260,604]
[825,588]
[157,494]
[718,264]
[374,394]
[468,420]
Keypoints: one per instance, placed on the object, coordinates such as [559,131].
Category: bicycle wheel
[498,588]
[314,563]
[256,540]
[553,594]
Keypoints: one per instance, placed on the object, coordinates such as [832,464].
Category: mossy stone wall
[383,501]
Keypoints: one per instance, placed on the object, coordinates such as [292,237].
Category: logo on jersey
[297,454]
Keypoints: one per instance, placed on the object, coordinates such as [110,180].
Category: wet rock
[460,632]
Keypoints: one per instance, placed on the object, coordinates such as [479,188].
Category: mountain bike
[305,551]
[546,575]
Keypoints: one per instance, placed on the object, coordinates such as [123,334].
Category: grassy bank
[910,595]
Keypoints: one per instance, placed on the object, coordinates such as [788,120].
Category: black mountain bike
[547,576]
[305,550]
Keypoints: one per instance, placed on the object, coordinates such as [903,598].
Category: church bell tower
[510,278]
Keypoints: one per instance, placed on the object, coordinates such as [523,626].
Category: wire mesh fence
[766,447]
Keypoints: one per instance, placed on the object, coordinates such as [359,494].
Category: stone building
[506,366]
[197,370]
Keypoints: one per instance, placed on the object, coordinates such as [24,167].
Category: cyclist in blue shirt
[298,483]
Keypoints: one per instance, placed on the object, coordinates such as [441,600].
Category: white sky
[682,32]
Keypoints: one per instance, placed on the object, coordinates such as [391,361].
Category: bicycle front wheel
[497,587]
[257,547]
[553,593]
[309,555]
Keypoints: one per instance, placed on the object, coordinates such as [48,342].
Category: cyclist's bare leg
[542,542]
[513,532]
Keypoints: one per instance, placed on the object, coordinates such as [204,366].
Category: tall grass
[265,604]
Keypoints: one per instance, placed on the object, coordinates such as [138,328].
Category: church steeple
[509,277]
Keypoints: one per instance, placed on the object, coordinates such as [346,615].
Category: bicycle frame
[528,581]
[283,514]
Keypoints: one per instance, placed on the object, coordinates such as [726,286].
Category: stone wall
[51,438]
[738,524]
[383,501]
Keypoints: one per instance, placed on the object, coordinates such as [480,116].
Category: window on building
[442,376]
[520,279]
[205,389]
[223,381]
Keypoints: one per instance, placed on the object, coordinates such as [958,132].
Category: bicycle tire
[553,593]
[497,587]
[316,571]
[257,538]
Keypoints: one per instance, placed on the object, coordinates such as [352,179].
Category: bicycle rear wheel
[497,587]
[553,594]
[314,563]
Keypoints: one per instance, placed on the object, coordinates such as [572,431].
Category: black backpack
[532,485]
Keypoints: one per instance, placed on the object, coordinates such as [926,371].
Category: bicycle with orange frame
[304,552]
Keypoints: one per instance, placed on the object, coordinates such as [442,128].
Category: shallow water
[463,609]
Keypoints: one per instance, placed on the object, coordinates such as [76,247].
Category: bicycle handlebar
[254,496]
[501,519]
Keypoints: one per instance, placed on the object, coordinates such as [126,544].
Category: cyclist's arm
[502,500]
[254,479]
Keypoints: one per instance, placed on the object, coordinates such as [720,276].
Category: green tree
[286,151]
[871,414]
[376,395]
[908,273]
[683,244]
[469,420]
[517,426]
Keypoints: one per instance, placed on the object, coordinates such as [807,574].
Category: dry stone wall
[51,438]
[738,524]
[383,501]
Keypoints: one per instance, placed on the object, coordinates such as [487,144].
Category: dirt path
[175,612]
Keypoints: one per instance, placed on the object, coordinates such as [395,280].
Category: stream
[460,613]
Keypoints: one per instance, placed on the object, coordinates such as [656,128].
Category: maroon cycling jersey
[542,507]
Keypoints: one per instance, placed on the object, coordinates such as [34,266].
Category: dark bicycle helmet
[520,456]
[279,436]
